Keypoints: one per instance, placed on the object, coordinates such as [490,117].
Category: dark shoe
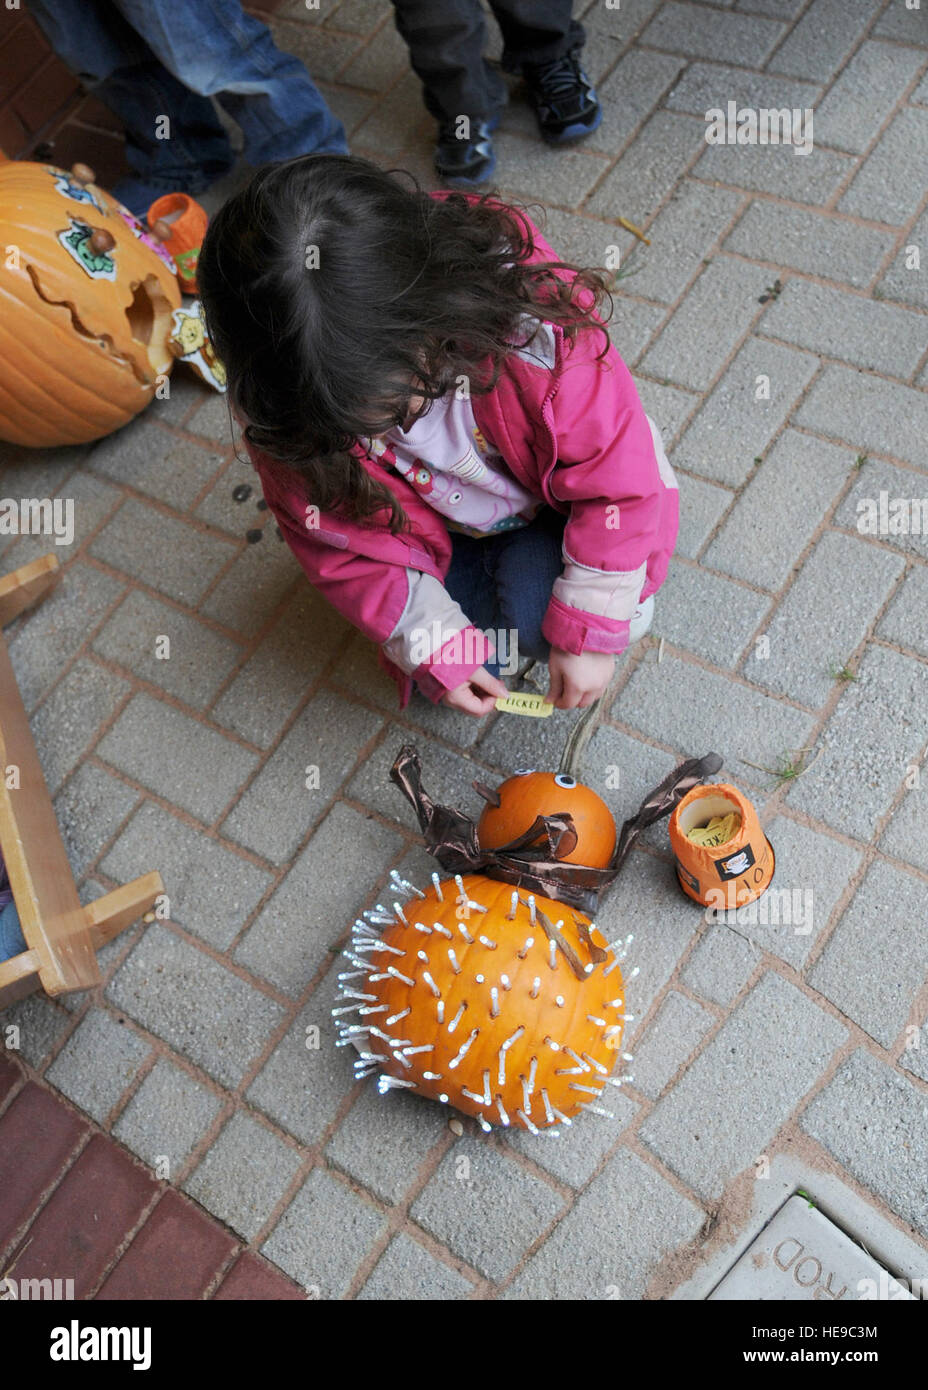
[465,163]
[566,106]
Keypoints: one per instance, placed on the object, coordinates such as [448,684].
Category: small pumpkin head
[483,997]
[516,803]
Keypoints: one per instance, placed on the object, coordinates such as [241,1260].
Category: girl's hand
[576,681]
[478,695]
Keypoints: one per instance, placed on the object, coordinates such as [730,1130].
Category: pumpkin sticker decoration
[90,248]
[190,341]
[70,187]
[152,242]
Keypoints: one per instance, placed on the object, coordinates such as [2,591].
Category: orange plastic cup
[721,876]
[182,228]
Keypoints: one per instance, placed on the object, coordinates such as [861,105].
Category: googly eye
[563,780]
[455,497]
[523,772]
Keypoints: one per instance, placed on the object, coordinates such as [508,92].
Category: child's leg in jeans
[503,583]
[526,564]
[469,582]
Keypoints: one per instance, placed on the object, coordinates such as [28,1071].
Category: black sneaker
[566,105]
[465,163]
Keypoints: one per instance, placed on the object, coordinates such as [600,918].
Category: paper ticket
[521,702]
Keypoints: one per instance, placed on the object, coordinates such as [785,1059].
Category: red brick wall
[36,89]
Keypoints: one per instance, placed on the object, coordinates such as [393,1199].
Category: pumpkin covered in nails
[508,1007]
[515,804]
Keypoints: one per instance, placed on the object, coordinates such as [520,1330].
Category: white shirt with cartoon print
[449,462]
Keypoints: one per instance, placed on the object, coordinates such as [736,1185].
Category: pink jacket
[572,430]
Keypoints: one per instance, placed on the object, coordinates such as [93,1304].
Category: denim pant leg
[114,62]
[216,49]
[526,564]
[145,59]
[469,582]
[446,42]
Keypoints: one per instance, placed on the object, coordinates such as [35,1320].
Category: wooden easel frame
[61,935]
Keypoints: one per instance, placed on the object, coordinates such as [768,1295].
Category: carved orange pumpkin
[508,1007]
[528,794]
[86,300]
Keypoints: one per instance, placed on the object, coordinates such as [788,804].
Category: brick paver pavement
[776,326]
[75,1207]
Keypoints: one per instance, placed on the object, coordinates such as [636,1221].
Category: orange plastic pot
[180,223]
[721,876]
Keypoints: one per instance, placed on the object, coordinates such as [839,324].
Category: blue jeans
[505,581]
[151,59]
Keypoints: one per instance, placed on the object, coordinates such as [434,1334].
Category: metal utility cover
[801,1254]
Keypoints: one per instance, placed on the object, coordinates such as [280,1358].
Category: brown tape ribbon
[534,860]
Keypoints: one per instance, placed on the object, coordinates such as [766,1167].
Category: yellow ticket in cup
[521,702]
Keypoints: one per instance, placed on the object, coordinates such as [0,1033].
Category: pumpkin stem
[597,953]
[102,241]
[582,731]
[552,933]
[487,793]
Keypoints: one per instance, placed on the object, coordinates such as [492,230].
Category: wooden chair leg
[19,977]
[109,915]
[25,586]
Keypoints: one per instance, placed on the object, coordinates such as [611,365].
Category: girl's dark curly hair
[334,294]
